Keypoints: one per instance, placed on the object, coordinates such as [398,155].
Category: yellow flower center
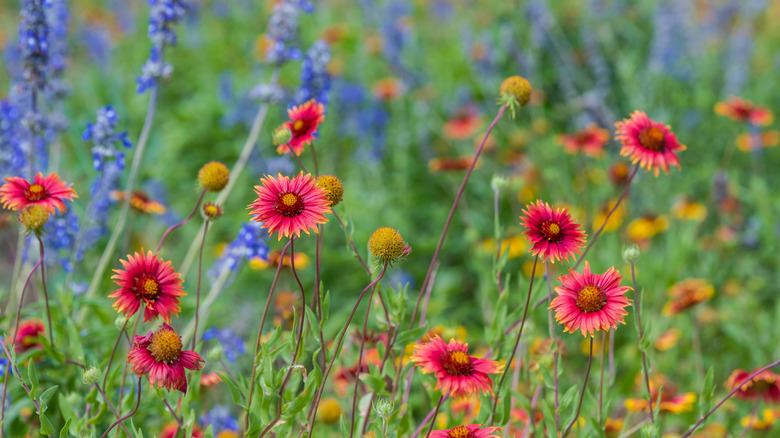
[551,231]
[652,138]
[213,176]
[461,432]
[386,244]
[165,346]
[149,288]
[591,299]
[457,363]
[36,192]
[297,126]
[334,190]
[289,205]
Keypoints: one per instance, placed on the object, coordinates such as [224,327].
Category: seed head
[515,92]
[213,176]
[334,190]
[387,245]
[34,217]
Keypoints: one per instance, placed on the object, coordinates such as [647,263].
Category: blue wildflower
[162,16]
[232,344]
[34,42]
[315,80]
[12,156]
[103,135]
[220,419]
[283,31]
[249,243]
[154,69]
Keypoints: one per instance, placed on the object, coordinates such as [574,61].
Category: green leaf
[46,427]
[233,387]
[375,383]
[75,348]
[705,397]
[325,307]
[33,376]
[549,418]
[567,398]
[408,336]
[46,396]
[65,408]
[65,428]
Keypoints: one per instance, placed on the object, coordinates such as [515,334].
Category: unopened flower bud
[90,376]
[631,254]
[120,322]
[383,408]
[282,135]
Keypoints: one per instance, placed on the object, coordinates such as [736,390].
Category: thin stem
[601,381]
[110,406]
[4,345]
[300,163]
[517,342]
[200,270]
[751,418]
[260,335]
[337,348]
[187,219]
[124,370]
[235,171]
[637,306]
[113,352]
[314,160]
[316,298]
[498,240]
[435,414]
[46,293]
[452,213]
[553,344]
[606,219]
[697,353]
[733,391]
[428,417]
[21,298]
[360,365]
[175,417]
[119,228]
[584,387]
[120,420]
[352,244]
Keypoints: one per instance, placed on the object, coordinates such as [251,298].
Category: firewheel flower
[765,385]
[27,336]
[148,280]
[741,110]
[50,192]
[290,205]
[648,142]
[303,124]
[590,302]
[469,431]
[686,294]
[590,141]
[553,234]
[456,372]
[159,355]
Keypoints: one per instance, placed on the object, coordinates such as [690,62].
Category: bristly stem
[360,364]
[137,404]
[197,293]
[733,391]
[45,293]
[452,213]
[119,228]
[260,335]
[582,393]
[187,219]
[517,342]
[337,348]
[637,306]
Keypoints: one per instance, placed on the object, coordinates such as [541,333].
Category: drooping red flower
[456,372]
[765,385]
[289,205]
[590,302]
[159,354]
[650,143]
[303,124]
[741,110]
[148,280]
[27,336]
[553,234]
[590,141]
[468,431]
[49,192]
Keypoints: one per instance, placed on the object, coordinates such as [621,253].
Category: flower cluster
[283,31]
[34,42]
[315,79]
[103,135]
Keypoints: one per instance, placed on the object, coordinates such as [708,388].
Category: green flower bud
[90,376]
[631,254]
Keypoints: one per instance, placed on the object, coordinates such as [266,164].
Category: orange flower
[741,110]
[140,201]
[452,164]
[388,89]
[767,139]
[687,294]
[590,141]
[464,123]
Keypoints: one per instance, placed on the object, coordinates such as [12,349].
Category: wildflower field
[389,218]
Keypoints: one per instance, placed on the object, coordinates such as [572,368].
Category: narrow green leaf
[375,383]
[409,336]
[33,376]
[46,396]
[46,427]
[65,428]
[233,387]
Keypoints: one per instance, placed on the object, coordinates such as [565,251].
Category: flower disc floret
[387,245]
[213,176]
[34,217]
[289,205]
[334,190]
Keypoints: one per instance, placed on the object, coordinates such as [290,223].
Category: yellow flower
[614,221]
[668,339]
[756,423]
[644,228]
[688,210]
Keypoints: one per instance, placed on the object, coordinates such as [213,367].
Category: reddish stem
[175,226]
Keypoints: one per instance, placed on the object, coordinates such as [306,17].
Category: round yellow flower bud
[34,217]
[213,176]
[334,190]
[329,411]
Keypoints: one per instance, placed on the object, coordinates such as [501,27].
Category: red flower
[49,192]
[590,141]
[650,143]
[27,336]
[147,280]
[159,355]
[456,371]
[553,233]
[765,385]
[463,124]
[171,431]
[589,302]
[741,110]
[290,205]
[470,431]
[303,124]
